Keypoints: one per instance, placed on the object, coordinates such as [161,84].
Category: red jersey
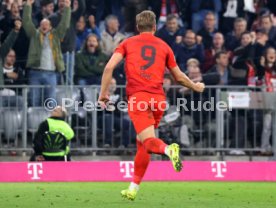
[146,58]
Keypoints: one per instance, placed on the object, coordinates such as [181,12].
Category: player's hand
[30,2]
[199,87]
[12,75]
[91,20]
[262,61]
[17,25]
[178,39]
[103,100]
[199,39]
[67,3]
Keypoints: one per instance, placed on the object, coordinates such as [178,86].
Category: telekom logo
[127,167]
[34,169]
[219,167]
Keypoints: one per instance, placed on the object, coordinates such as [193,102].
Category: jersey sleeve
[121,48]
[170,62]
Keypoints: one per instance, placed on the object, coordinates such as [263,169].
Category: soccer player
[146,58]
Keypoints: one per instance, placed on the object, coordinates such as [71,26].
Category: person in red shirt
[146,59]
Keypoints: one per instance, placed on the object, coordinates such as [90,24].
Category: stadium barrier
[123,171]
[246,122]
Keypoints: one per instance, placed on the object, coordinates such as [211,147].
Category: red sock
[141,162]
[155,145]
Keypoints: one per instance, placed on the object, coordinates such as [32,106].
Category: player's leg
[150,142]
[141,162]
[157,146]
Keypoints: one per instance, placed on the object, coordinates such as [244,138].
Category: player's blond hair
[145,21]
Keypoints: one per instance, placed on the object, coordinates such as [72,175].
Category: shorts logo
[127,167]
[219,167]
[35,169]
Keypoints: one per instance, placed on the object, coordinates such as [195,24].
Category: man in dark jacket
[267,25]
[5,48]
[188,49]
[171,32]
[21,44]
[208,30]
[90,62]
[221,68]
[47,9]
[200,8]
[233,39]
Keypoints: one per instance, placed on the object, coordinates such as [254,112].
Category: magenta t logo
[34,169]
[126,167]
[219,167]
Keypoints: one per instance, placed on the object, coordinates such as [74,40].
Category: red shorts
[146,109]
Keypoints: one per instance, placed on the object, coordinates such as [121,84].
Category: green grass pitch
[151,194]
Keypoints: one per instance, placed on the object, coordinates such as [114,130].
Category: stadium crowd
[219,42]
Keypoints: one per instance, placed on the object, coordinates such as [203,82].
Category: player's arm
[185,81]
[179,76]
[107,75]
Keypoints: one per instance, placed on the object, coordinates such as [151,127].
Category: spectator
[233,39]
[261,44]
[93,27]
[224,71]
[111,37]
[83,32]
[193,119]
[47,9]
[44,57]
[222,67]
[69,41]
[55,123]
[22,43]
[218,45]
[5,47]
[12,74]
[113,119]
[232,9]
[187,49]
[132,8]
[90,62]
[6,5]
[199,10]
[194,73]
[100,9]
[209,29]
[171,33]
[169,92]
[256,24]
[7,96]
[268,65]
[243,57]
[169,128]
[267,25]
